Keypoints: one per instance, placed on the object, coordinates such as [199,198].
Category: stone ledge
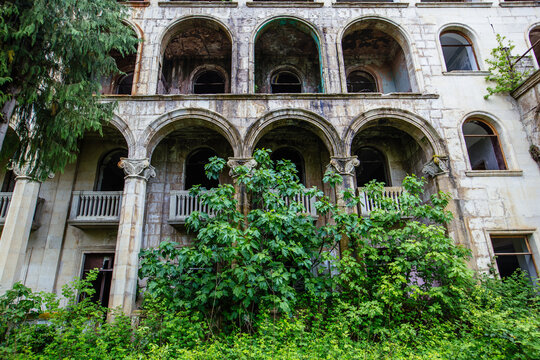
[93,224]
[519,4]
[369,4]
[492,173]
[286,4]
[137,3]
[527,85]
[447,4]
[191,4]
[466,73]
[374,96]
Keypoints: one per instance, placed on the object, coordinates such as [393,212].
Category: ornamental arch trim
[415,126]
[181,118]
[278,118]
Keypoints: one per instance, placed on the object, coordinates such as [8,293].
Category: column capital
[23,171]
[438,165]
[138,168]
[343,165]
[235,162]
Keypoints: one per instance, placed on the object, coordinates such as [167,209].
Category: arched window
[287,153]
[125,84]
[361,81]
[534,37]
[209,82]
[458,52]
[110,176]
[372,166]
[195,174]
[285,82]
[483,146]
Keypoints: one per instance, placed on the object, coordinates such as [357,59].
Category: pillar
[130,233]
[344,166]
[17,227]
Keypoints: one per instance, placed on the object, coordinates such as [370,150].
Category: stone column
[17,228]
[130,233]
[242,199]
[344,166]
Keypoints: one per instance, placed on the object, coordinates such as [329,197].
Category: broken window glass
[483,146]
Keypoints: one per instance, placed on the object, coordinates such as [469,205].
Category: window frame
[495,134]
[376,80]
[525,237]
[468,39]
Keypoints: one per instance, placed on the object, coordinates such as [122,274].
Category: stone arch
[278,118]
[412,124]
[140,35]
[314,32]
[469,34]
[119,124]
[397,32]
[531,36]
[177,119]
[222,53]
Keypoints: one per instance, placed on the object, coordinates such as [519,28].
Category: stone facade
[414,118]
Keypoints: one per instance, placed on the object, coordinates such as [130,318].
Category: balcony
[182,205]
[367,204]
[95,209]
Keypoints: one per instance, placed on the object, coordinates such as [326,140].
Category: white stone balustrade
[182,205]
[95,208]
[367,204]
[306,200]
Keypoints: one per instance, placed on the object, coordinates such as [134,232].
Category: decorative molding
[197,4]
[436,166]
[285,4]
[466,73]
[235,162]
[137,168]
[519,3]
[447,4]
[24,171]
[343,165]
[492,173]
[369,4]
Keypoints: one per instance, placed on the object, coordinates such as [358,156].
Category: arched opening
[195,173]
[291,154]
[372,166]
[209,82]
[534,37]
[381,47]
[285,82]
[121,84]
[359,81]
[192,44]
[110,177]
[458,51]
[290,43]
[483,146]
[296,141]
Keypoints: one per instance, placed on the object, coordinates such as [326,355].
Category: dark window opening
[125,84]
[483,146]
[361,81]
[372,167]
[110,176]
[513,253]
[458,52]
[9,181]
[209,82]
[534,37]
[102,285]
[195,173]
[285,82]
[293,156]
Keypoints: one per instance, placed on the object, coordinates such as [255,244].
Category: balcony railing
[5,199]
[95,208]
[367,204]
[182,205]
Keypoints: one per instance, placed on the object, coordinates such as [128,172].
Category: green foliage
[503,73]
[53,54]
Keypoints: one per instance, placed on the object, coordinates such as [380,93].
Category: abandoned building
[373,89]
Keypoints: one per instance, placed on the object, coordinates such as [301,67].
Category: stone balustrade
[368,204]
[5,199]
[95,208]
